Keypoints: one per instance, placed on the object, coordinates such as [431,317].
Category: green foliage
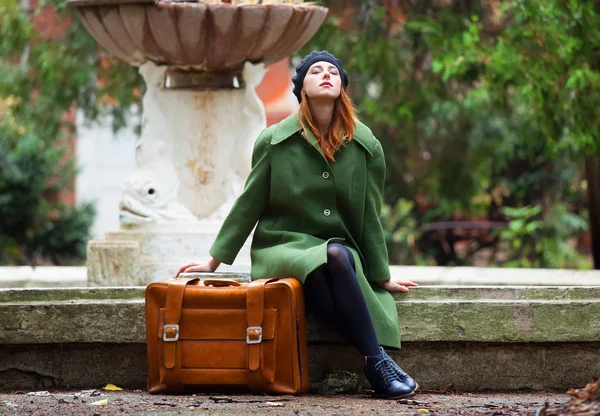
[546,60]
[33,228]
[41,78]
[536,240]
[478,109]
[400,227]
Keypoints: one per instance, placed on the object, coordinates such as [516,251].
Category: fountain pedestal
[138,257]
[201,63]
[192,160]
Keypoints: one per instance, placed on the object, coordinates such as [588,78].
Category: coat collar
[290,125]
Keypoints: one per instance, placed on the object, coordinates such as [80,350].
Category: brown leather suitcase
[220,335]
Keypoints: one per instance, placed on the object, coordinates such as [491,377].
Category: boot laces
[399,372]
[387,370]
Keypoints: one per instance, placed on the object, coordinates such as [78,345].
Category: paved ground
[127,402]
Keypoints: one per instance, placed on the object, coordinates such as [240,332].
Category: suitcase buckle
[173,338]
[254,341]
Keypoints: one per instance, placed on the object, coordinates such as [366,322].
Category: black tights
[334,293]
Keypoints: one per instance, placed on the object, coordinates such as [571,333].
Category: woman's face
[322,82]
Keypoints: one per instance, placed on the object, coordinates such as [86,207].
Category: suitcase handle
[221,282]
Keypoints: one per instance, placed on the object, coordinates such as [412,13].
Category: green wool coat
[302,201]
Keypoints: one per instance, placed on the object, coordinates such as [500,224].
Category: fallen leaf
[422,411]
[103,402]
[112,387]
[275,404]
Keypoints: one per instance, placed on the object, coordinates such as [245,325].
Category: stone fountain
[201,62]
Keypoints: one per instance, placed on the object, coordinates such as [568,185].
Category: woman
[316,189]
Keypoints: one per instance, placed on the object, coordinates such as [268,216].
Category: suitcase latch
[173,335]
[249,333]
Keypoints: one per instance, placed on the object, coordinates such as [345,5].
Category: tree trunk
[592,173]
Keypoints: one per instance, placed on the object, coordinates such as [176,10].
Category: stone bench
[73,276]
[463,337]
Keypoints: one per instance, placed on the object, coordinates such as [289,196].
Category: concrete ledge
[427,313]
[25,276]
[501,314]
[496,276]
[46,276]
[471,338]
[436,366]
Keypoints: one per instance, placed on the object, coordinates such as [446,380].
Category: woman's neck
[322,113]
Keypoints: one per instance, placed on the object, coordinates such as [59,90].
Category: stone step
[75,276]
[43,276]
[427,313]
[468,338]
[439,275]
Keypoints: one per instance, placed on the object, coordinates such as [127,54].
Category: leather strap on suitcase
[172,352]
[255,300]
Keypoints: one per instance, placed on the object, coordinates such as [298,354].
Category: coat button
[326,175]
[327,213]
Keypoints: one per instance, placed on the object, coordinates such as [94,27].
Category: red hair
[342,125]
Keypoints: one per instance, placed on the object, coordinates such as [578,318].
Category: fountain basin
[196,36]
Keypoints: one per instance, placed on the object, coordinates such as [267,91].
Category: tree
[480,106]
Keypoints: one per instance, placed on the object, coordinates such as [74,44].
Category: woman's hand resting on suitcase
[395,285]
[209,266]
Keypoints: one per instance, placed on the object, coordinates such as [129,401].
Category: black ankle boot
[401,374]
[381,374]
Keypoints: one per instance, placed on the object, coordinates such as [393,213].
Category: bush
[41,79]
